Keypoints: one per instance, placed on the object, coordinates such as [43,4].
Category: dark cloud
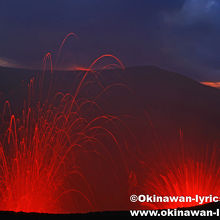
[194,32]
[180,35]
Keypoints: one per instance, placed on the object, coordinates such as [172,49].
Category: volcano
[154,104]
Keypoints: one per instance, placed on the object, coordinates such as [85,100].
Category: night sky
[179,35]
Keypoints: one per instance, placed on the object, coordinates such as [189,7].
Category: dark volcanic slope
[12,78]
[174,101]
[171,100]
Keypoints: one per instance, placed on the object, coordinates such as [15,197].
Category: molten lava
[38,148]
[184,175]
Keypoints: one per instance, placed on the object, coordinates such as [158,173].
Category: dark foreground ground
[101,215]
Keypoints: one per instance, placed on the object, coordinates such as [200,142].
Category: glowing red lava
[38,148]
[183,175]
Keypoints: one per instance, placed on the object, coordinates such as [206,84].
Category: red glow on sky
[212,84]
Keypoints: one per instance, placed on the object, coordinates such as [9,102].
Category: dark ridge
[173,101]
[112,214]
